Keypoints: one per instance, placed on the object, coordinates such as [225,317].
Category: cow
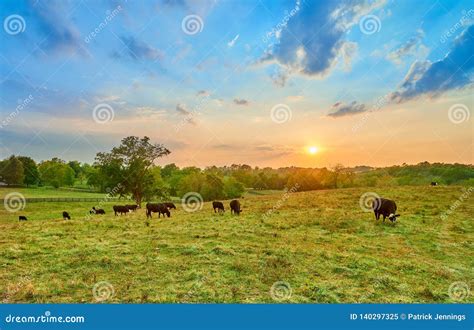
[96,211]
[385,207]
[218,206]
[22,218]
[66,216]
[235,207]
[132,208]
[170,205]
[159,208]
[120,209]
[434,183]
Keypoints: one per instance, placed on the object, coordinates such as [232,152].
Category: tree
[56,173]
[212,188]
[30,169]
[168,170]
[337,170]
[159,188]
[13,171]
[76,166]
[132,159]
[232,187]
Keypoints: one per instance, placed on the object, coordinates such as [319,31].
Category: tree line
[129,170]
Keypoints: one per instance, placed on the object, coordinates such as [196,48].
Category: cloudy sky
[257,82]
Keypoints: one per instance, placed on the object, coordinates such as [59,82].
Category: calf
[218,206]
[235,207]
[22,218]
[120,209]
[385,207]
[132,208]
[66,216]
[170,205]
[159,208]
[96,211]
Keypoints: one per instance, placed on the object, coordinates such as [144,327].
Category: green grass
[321,243]
[44,192]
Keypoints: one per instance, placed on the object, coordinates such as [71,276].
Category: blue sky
[253,82]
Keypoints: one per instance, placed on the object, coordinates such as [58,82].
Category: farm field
[46,192]
[321,244]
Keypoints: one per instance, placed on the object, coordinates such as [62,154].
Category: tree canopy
[129,164]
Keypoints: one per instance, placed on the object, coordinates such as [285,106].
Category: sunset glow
[313,150]
[217,91]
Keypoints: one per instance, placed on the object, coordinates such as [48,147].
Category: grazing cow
[120,209]
[434,183]
[159,208]
[96,211]
[66,216]
[170,205]
[218,206]
[132,208]
[385,207]
[22,218]
[235,207]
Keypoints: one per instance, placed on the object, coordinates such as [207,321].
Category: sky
[265,83]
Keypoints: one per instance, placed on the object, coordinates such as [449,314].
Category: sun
[313,150]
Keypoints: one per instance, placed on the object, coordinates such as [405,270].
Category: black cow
[159,208]
[385,207]
[133,207]
[22,218]
[218,206]
[120,209]
[235,207]
[96,211]
[433,183]
[66,216]
[170,205]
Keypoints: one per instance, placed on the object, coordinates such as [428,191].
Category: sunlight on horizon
[313,150]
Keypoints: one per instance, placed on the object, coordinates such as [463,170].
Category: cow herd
[163,209]
[160,208]
[381,207]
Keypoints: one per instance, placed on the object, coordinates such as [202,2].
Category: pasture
[321,243]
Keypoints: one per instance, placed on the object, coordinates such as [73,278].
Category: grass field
[321,244]
[44,192]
